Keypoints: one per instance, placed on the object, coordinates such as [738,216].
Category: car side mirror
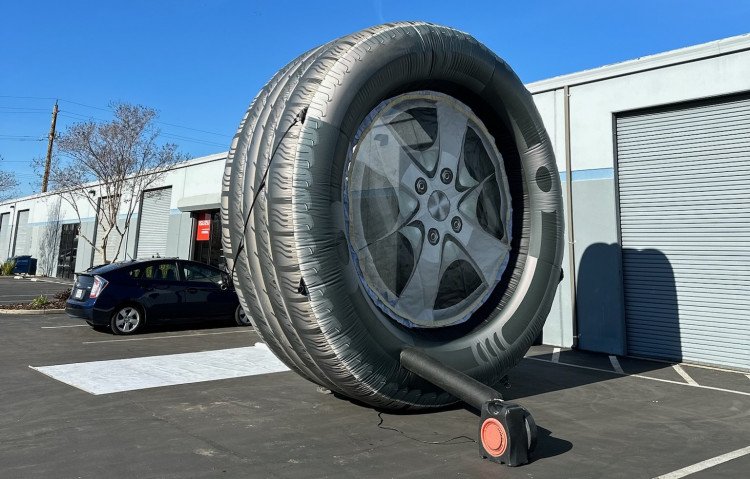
[226,281]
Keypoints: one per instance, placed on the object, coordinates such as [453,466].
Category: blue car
[124,297]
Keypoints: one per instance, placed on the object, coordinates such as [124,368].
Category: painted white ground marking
[714,461]
[684,375]
[616,364]
[643,377]
[105,377]
[556,355]
[747,375]
[151,338]
[68,326]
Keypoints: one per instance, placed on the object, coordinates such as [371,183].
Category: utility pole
[48,163]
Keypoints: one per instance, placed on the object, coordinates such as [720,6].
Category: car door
[163,293]
[205,295]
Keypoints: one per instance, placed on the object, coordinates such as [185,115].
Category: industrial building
[654,156]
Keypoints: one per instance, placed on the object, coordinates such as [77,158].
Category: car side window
[156,272]
[194,272]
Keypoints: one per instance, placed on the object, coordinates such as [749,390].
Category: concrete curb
[31,311]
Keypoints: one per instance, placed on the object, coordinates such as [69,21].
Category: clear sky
[200,63]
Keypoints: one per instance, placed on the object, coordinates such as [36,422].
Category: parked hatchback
[124,297]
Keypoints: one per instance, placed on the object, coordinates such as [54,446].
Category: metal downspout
[571,232]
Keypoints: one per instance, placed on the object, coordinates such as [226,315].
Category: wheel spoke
[480,249]
[452,126]
[417,299]
[467,205]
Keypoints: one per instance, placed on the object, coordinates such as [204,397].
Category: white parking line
[684,375]
[68,326]
[163,337]
[616,364]
[556,355]
[643,377]
[714,461]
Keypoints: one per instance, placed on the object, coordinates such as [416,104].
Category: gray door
[4,236]
[22,243]
[153,223]
[684,198]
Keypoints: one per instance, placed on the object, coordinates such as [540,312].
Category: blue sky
[201,62]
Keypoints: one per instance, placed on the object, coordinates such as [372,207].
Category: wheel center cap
[439,205]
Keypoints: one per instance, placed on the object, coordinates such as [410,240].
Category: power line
[28,97]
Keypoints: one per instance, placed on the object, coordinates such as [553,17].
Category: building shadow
[652,319]
[625,308]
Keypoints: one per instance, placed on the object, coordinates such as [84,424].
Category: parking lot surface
[14,291]
[598,416]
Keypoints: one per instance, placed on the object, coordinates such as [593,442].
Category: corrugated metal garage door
[153,223]
[4,236]
[684,197]
[23,234]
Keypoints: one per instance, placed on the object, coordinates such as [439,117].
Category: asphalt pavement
[597,417]
[13,291]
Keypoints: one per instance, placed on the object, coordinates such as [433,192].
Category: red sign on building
[203,232]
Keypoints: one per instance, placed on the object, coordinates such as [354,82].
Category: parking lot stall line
[640,376]
[700,466]
[67,326]
[556,355]
[151,338]
[616,364]
[684,374]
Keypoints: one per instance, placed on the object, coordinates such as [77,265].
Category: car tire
[127,319]
[240,317]
[300,276]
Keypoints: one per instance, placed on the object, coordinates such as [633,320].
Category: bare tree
[8,184]
[107,167]
[48,247]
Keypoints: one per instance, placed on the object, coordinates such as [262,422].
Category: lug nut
[446,175]
[433,236]
[456,224]
[420,186]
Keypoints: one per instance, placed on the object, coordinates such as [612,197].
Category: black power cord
[300,118]
[448,442]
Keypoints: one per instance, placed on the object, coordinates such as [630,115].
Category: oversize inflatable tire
[317,290]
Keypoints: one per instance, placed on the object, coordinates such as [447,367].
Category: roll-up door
[684,199]
[4,236]
[23,234]
[153,223]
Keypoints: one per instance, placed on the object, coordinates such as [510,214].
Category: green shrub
[40,302]
[6,269]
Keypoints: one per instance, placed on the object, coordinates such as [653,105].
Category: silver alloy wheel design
[127,319]
[241,317]
[427,209]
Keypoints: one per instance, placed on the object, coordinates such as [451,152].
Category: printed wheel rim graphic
[127,319]
[427,208]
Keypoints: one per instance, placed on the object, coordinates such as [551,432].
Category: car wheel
[127,320]
[411,199]
[240,317]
